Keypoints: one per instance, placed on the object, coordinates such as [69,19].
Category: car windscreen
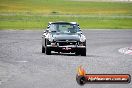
[64,28]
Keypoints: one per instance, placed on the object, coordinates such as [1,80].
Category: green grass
[40,22]
[35,14]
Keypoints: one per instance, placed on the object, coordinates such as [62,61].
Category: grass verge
[35,14]
[86,22]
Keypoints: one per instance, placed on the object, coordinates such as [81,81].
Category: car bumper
[66,48]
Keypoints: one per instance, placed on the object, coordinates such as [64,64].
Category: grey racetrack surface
[22,65]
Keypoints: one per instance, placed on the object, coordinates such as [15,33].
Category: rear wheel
[83,52]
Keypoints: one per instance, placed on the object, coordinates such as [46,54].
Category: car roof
[63,22]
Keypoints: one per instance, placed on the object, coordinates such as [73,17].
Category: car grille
[66,42]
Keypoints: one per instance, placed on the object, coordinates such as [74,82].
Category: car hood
[75,37]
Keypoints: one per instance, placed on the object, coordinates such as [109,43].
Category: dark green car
[64,37]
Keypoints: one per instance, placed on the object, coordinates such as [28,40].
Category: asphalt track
[22,65]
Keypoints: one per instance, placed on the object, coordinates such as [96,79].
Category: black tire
[77,53]
[43,49]
[47,51]
[81,80]
[83,52]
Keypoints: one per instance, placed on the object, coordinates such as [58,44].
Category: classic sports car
[65,37]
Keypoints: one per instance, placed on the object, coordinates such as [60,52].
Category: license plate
[66,48]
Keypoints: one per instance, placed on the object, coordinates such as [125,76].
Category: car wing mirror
[46,31]
[79,32]
[48,27]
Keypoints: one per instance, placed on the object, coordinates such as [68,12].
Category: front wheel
[77,53]
[47,51]
[83,52]
[43,49]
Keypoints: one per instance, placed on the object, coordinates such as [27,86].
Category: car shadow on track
[64,54]
[72,54]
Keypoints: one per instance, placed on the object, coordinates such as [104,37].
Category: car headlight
[82,38]
[51,39]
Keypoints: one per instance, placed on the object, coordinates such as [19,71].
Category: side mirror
[78,26]
[48,27]
[79,32]
[46,31]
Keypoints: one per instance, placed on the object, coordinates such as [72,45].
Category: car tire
[47,51]
[83,52]
[43,49]
[77,53]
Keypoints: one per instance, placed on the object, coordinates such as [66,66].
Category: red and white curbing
[126,50]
